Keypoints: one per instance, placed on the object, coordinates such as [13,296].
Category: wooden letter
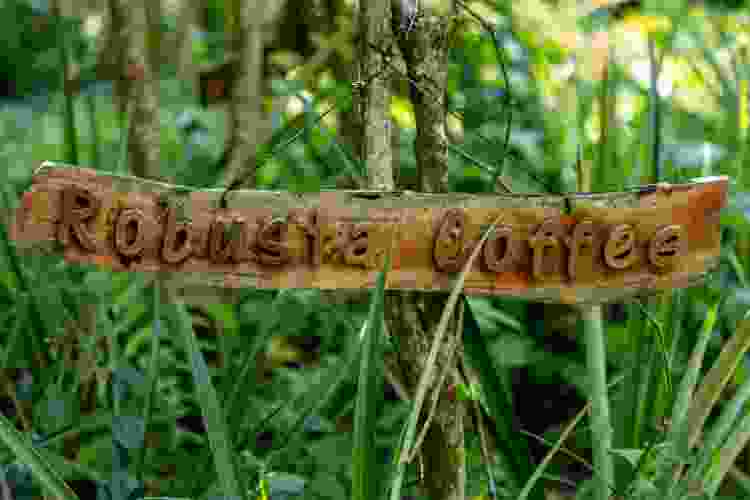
[620,250]
[78,206]
[448,251]
[496,260]
[667,245]
[228,240]
[177,246]
[349,246]
[582,244]
[546,248]
[268,247]
[130,232]
[307,220]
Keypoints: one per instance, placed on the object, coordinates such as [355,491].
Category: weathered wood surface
[603,247]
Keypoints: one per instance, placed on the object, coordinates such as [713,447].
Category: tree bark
[412,317]
[188,24]
[248,125]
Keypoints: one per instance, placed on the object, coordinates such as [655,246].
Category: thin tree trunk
[247,124]
[141,70]
[412,317]
[188,23]
[140,33]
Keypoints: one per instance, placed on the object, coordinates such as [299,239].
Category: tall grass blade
[232,396]
[684,397]
[428,376]
[728,454]
[153,372]
[321,393]
[717,379]
[677,435]
[40,469]
[69,127]
[726,421]
[369,394]
[539,471]
[510,441]
[218,435]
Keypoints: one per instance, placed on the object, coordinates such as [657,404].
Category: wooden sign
[579,248]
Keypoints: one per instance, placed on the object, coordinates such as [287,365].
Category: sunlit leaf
[402,112]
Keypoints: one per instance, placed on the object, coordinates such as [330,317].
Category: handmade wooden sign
[579,248]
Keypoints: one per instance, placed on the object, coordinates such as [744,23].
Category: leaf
[632,456]
[283,484]
[511,443]
[218,434]
[365,483]
[281,87]
[327,487]
[402,112]
[128,431]
[512,351]
[40,469]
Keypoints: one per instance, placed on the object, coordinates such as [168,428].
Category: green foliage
[171,372]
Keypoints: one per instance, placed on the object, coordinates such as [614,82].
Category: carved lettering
[350,245]
[309,224]
[555,249]
[228,240]
[449,253]
[620,252]
[501,250]
[78,207]
[269,247]
[130,232]
[582,248]
[608,247]
[667,245]
[546,248]
[335,246]
[356,251]
[177,245]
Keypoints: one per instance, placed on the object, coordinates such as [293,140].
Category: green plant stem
[601,428]
[153,373]
[40,468]
[69,128]
[593,334]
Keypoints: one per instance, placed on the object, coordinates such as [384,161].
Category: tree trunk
[247,124]
[412,317]
[188,24]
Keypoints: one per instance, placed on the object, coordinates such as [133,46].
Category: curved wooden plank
[578,248]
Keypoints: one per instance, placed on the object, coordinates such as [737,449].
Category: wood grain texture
[606,247]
